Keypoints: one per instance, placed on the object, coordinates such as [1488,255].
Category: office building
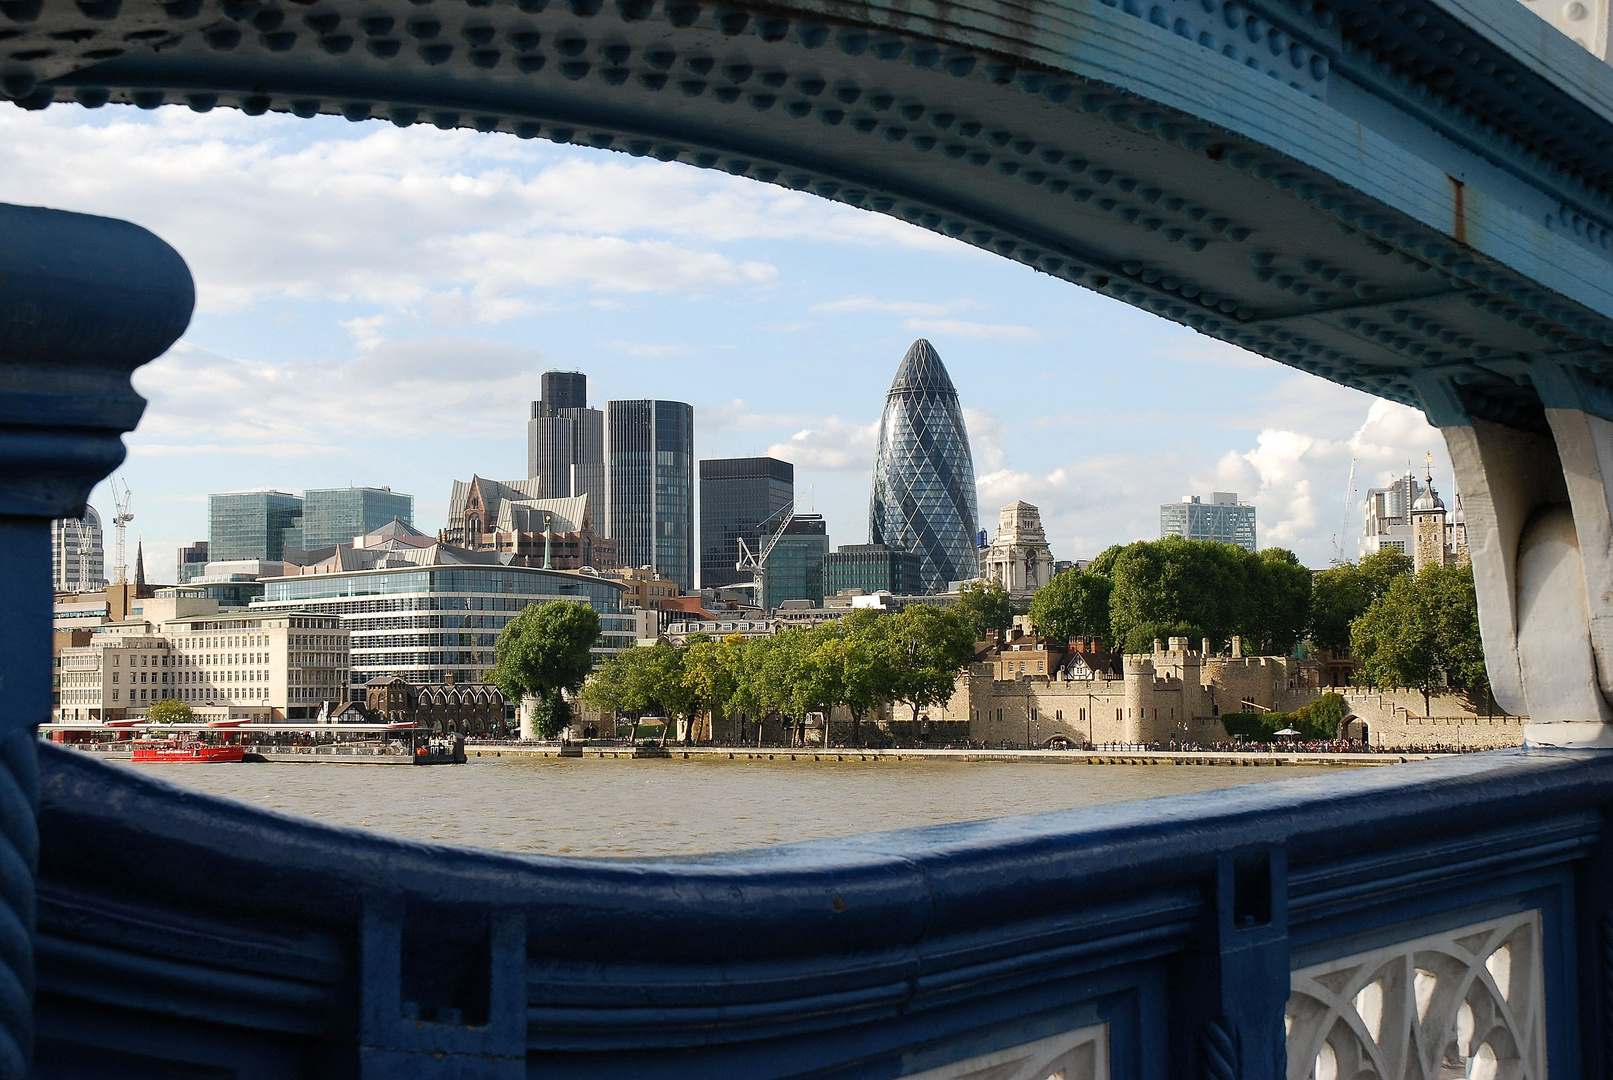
[192,561]
[253,525]
[649,481]
[565,440]
[1386,517]
[332,516]
[78,553]
[1223,519]
[283,665]
[428,621]
[736,496]
[794,568]
[871,568]
[923,497]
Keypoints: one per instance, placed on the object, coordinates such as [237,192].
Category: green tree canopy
[1075,604]
[1200,589]
[543,652]
[169,711]
[1423,633]
[1341,594]
[928,646]
[984,606]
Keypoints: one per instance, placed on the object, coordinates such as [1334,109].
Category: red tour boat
[189,749]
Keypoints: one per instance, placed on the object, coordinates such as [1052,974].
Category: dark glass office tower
[253,525]
[924,476]
[649,485]
[736,496]
[565,441]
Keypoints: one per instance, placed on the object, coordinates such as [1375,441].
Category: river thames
[625,807]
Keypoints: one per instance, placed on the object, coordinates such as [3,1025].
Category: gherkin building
[924,476]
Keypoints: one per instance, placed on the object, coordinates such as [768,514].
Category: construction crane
[1344,523]
[121,523]
[756,561]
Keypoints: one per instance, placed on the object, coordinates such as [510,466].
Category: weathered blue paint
[211,928]
[1407,196]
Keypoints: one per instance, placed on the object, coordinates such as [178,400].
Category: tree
[1075,604]
[1396,640]
[1179,588]
[1455,605]
[169,711]
[927,647]
[1340,594]
[543,652]
[1279,603]
[865,669]
[984,606]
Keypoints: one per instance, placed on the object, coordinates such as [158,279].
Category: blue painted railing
[181,931]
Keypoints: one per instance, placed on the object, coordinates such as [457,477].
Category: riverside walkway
[1051,757]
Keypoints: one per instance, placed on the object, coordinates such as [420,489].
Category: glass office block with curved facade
[924,476]
[429,622]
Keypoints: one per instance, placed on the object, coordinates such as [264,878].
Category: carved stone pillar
[83,302]
[1539,510]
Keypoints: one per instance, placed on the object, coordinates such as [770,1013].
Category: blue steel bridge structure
[1407,196]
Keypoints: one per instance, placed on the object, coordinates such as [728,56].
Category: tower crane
[1344,524]
[120,522]
[756,561]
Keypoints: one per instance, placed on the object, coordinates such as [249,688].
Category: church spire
[140,561]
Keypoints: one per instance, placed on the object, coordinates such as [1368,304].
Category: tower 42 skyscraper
[924,476]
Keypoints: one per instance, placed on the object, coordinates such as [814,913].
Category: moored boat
[169,751]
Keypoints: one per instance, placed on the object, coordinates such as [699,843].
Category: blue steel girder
[1412,197]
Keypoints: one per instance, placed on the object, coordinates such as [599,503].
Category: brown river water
[625,807]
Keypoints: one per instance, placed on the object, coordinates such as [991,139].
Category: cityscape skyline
[408,358]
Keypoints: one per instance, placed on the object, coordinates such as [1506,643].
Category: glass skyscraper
[649,486]
[871,568]
[332,516]
[795,565]
[253,525]
[924,476]
[736,496]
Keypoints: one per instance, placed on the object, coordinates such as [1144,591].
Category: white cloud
[981,331]
[206,404]
[830,444]
[895,307]
[274,207]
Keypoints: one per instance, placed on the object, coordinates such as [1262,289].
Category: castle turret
[1428,526]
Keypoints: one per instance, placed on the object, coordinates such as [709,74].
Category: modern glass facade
[78,553]
[1223,519]
[871,568]
[795,565]
[924,475]
[253,525]
[192,561]
[332,516]
[649,481]
[736,496]
[433,621]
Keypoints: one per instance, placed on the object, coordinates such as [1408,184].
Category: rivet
[201,102]
[92,97]
[402,115]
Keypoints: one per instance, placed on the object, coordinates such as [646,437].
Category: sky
[375,306]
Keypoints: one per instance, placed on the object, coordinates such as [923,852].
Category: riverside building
[281,665]
[253,525]
[431,623]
